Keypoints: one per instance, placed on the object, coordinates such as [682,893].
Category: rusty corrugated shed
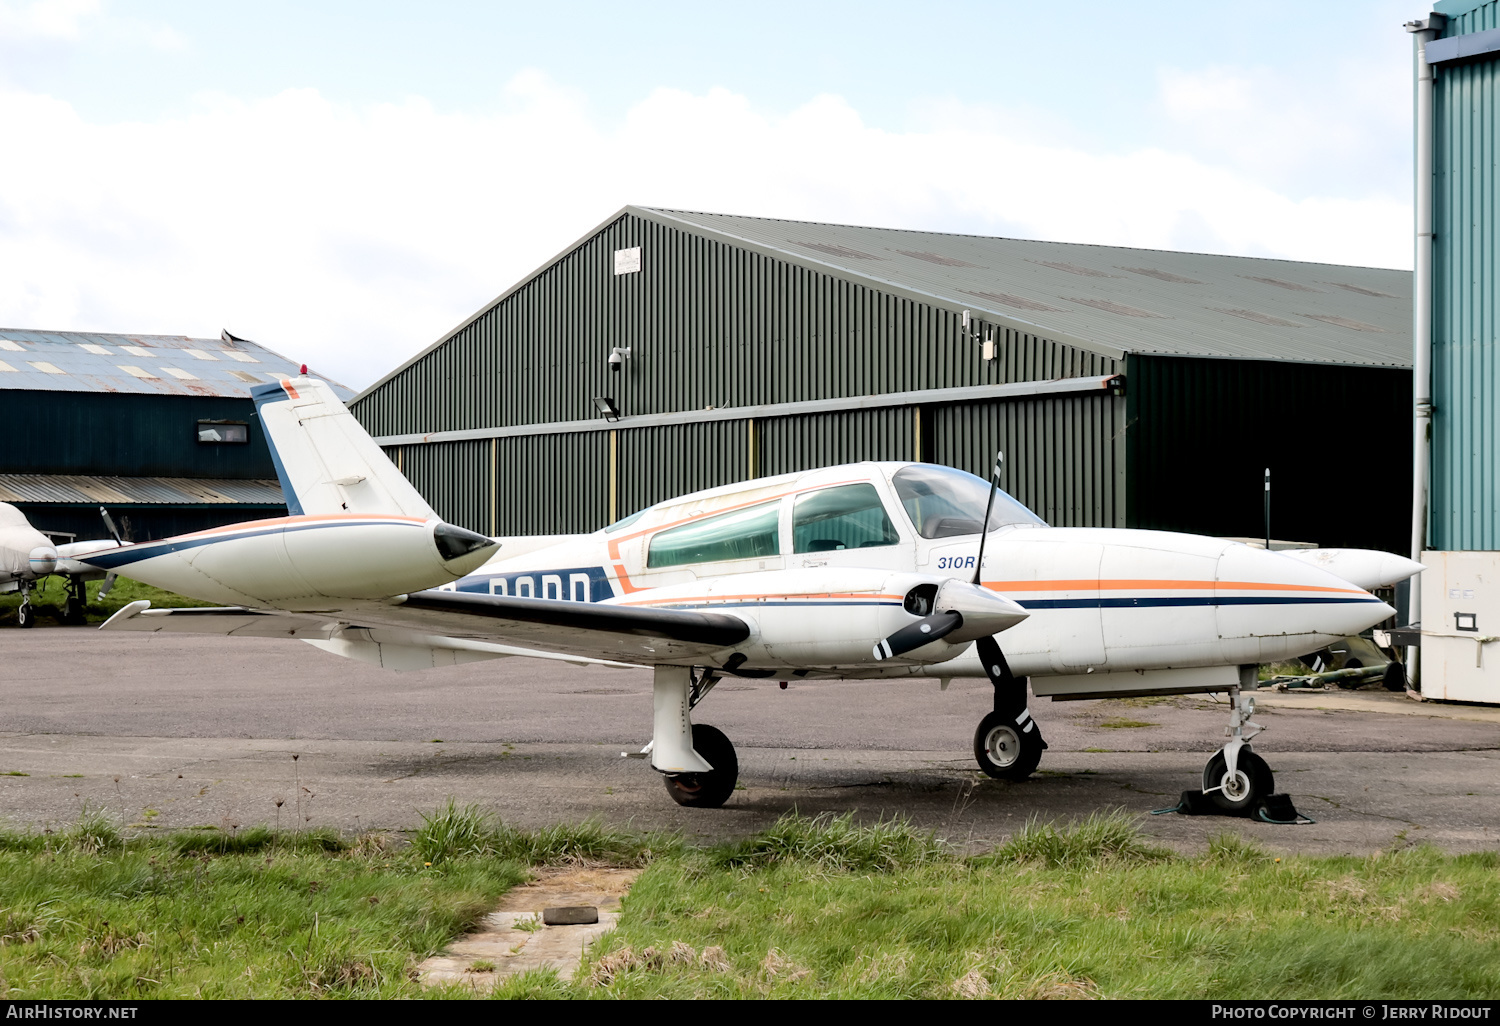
[88,361]
[74,488]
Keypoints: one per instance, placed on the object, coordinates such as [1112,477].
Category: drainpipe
[1421,377]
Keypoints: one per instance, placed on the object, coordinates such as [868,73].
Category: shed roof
[75,489]
[86,361]
[1111,298]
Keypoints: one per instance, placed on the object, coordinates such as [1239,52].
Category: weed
[1107,838]
[93,832]
[1232,847]
[14,773]
[835,844]
[481,965]
[253,839]
[466,831]
[1120,723]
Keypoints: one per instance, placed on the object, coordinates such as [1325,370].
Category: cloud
[350,237]
[46,19]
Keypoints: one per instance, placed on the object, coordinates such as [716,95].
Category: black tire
[26,615]
[712,789]
[1395,677]
[1005,751]
[1254,781]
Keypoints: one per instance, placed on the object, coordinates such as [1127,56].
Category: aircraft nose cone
[984,611]
[1261,593]
[462,550]
[43,560]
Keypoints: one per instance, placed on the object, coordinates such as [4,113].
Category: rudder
[325,459]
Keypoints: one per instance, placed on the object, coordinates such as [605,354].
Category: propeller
[109,525]
[914,635]
[937,625]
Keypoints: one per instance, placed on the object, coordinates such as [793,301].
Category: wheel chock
[1276,809]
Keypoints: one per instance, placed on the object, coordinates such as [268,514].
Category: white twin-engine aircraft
[859,571]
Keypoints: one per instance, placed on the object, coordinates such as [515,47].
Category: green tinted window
[743,534]
[847,517]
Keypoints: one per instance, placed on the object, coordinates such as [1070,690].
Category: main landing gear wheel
[1251,781]
[75,612]
[1004,750]
[26,615]
[712,789]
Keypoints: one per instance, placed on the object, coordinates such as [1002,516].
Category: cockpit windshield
[945,503]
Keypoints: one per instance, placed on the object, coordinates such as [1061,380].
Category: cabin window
[947,503]
[743,534]
[223,432]
[846,517]
[620,525]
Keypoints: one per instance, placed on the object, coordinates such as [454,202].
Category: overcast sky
[343,182]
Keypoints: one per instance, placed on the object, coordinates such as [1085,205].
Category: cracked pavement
[172,731]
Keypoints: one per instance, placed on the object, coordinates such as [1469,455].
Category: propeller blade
[915,635]
[109,582]
[109,525]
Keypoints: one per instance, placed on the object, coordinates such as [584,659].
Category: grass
[49,597]
[821,907]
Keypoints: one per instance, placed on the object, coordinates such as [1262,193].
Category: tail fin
[327,462]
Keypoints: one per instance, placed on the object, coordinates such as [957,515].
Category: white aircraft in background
[850,572]
[27,555]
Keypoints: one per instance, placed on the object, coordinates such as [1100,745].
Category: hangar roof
[76,489]
[1106,298]
[86,361]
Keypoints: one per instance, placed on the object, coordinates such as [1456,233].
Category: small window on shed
[846,517]
[743,534]
[223,432]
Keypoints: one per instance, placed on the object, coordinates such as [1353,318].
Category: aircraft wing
[598,629]
[501,624]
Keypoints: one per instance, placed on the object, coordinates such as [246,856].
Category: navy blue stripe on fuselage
[1193,600]
[262,394]
[111,559]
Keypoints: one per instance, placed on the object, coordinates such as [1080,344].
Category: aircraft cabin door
[844,526]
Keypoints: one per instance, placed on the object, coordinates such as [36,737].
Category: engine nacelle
[834,617]
[301,562]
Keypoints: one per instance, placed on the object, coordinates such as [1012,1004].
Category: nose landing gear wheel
[1252,780]
[712,789]
[26,615]
[1005,750]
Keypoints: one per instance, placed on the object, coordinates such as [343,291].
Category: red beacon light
[303,372]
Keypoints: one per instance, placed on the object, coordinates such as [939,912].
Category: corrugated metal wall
[708,324]
[822,439]
[656,463]
[1464,508]
[1064,456]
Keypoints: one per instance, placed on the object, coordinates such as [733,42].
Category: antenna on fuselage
[984,529]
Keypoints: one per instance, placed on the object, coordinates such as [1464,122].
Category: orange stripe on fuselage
[1130,585]
[770,598]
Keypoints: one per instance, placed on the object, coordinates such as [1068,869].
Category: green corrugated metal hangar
[1127,387]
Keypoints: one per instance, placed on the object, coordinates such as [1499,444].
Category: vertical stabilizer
[327,462]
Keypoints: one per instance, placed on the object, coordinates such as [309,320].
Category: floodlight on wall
[607,408]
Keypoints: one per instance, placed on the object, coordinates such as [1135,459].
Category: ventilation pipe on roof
[1423,32]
